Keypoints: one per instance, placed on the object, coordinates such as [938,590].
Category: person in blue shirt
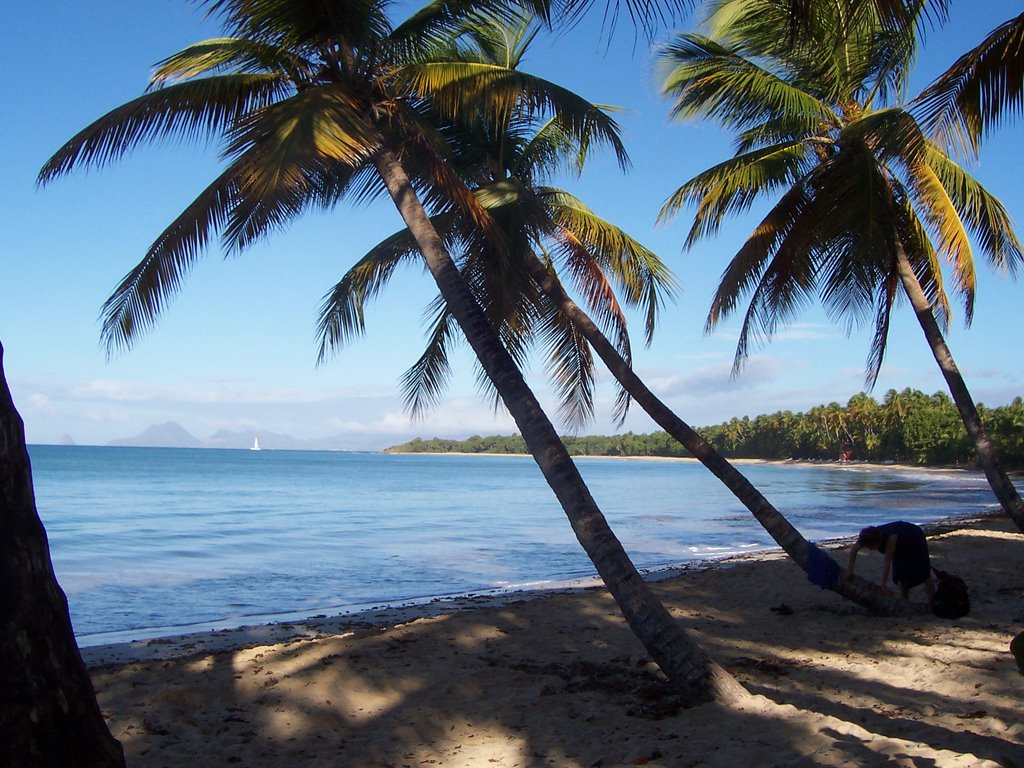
[906,555]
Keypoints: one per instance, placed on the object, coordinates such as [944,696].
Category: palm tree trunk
[49,717]
[1003,488]
[774,522]
[698,678]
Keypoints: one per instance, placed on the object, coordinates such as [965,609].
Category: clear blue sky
[236,348]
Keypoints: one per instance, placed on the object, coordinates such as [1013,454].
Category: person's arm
[890,550]
[853,559]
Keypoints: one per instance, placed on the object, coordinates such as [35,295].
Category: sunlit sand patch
[483,745]
[203,664]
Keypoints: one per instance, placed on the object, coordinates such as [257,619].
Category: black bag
[951,600]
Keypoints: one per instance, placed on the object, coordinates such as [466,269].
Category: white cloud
[713,380]
[109,391]
[212,392]
[1011,377]
[40,403]
[791,332]
[806,332]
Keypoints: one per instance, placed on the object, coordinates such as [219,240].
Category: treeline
[907,427]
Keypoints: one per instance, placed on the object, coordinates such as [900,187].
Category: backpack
[951,600]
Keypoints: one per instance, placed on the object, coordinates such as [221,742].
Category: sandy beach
[558,680]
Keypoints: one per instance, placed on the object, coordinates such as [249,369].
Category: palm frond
[888,58]
[302,152]
[643,279]
[194,109]
[553,288]
[924,260]
[734,185]
[826,230]
[302,23]
[978,91]
[745,269]
[597,291]
[327,122]
[854,236]
[983,214]
[648,17]
[424,383]
[222,54]
[784,287]
[505,291]
[443,184]
[549,150]
[553,147]
[438,22]
[142,294]
[892,134]
[318,185]
[709,80]
[500,38]
[949,234]
[464,90]
[886,297]
[837,49]
[570,365]
[342,312]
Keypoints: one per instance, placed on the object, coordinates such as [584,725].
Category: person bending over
[906,555]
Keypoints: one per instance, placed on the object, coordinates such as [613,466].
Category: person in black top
[906,555]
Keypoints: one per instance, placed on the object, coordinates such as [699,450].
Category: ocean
[151,542]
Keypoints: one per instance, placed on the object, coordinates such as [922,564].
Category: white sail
[255,444]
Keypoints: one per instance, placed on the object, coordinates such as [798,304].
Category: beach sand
[558,680]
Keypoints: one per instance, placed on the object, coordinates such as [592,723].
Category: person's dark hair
[869,537]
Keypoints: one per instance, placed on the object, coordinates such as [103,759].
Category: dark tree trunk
[49,717]
[697,677]
[774,522]
[1002,487]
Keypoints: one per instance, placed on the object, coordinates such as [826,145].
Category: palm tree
[49,716]
[507,163]
[864,414]
[304,96]
[867,204]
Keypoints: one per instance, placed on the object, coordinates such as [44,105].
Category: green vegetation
[908,427]
[865,205]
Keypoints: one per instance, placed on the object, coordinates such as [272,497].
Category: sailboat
[255,444]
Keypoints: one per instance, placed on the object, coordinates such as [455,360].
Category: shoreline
[280,628]
[202,624]
[559,680]
[836,463]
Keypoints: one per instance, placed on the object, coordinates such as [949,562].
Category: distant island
[172,435]
[169,435]
[907,427]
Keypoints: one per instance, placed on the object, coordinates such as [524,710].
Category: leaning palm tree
[865,204]
[507,162]
[303,95]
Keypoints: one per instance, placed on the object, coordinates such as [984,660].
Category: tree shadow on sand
[560,681]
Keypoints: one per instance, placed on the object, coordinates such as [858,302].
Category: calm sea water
[151,542]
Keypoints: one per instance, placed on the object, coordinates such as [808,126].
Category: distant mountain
[173,435]
[273,441]
[169,435]
[66,440]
